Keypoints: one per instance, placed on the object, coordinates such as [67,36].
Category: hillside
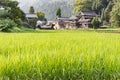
[48,7]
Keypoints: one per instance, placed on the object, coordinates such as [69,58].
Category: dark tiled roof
[31,15]
[63,18]
[89,13]
[73,17]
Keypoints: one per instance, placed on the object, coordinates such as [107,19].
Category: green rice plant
[60,55]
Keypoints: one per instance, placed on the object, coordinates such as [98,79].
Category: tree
[31,10]
[58,13]
[41,15]
[107,11]
[8,4]
[3,2]
[82,5]
[95,22]
[13,11]
[115,14]
[6,25]
[16,14]
[12,4]
[96,5]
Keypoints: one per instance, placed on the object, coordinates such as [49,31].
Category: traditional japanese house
[85,18]
[82,20]
[31,19]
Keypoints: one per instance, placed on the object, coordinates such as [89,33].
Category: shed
[31,19]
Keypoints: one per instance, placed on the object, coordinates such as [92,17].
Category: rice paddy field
[60,55]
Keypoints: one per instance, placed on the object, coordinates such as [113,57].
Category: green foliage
[4,14]
[18,21]
[31,10]
[58,13]
[107,11]
[41,15]
[115,14]
[82,5]
[7,4]
[96,4]
[15,13]
[12,4]
[95,23]
[3,2]
[100,6]
[12,11]
[62,55]
[7,25]
[103,15]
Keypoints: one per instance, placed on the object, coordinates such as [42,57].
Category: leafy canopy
[31,10]
[115,14]
[58,13]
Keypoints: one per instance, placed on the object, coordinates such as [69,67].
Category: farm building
[85,18]
[68,23]
[82,20]
[31,19]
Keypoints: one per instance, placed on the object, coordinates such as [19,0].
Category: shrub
[4,14]
[18,21]
[95,23]
[7,25]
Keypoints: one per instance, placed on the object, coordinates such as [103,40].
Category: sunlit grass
[59,55]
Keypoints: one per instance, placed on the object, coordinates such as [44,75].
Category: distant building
[60,23]
[31,19]
[82,20]
[85,18]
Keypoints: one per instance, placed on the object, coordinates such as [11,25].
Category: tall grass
[65,55]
